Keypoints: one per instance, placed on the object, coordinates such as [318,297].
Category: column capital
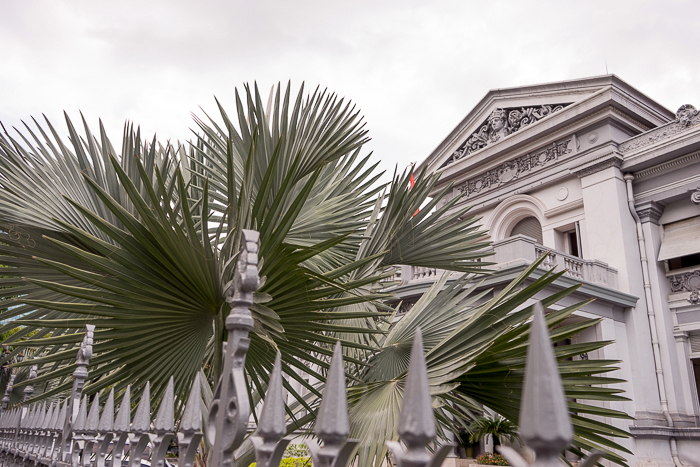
[611,159]
[650,211]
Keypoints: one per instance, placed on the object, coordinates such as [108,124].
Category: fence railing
[72,434]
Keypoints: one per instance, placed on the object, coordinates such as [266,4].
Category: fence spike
[192,417]
[544,414]
[123,421]
[164,425]
[61,415]
[165,420]
[417,421]
[545,426]
[79,424]
[46,429]
[138,438]
[190,433]
[93,418]
[46,424]
[106,423]
[104,430]
[332,424]
[121,427]
[272,427]
[142,419]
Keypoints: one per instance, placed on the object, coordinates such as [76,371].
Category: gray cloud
[414,68]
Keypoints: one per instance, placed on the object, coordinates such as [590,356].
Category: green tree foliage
[142,243]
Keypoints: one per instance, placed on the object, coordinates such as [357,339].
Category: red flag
[413,183]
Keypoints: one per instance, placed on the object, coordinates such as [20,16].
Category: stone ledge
[665,432]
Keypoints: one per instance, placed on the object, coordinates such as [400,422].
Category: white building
[552,167]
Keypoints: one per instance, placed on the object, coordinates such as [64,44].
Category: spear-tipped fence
[71,434]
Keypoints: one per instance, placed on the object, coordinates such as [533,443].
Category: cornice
[611,159]
[668,166]
[564,208]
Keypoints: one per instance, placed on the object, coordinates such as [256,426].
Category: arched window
[529,226]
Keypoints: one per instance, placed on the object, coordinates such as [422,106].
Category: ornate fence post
[544,415]
[332,424]
[230,408]
[8,392]
[417,421]
[79,376]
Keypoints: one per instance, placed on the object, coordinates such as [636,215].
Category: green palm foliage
[142,244]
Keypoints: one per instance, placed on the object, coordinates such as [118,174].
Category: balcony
[518,250]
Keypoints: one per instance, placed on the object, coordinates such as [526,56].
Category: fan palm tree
[497,427]
[142,243]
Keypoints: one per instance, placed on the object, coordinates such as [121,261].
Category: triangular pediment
[520,112]
[502,122]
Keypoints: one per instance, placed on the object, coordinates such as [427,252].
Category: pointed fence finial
[269,447]
[190,433]
[545,426]
[138,439]
[122,425]
[104,430]
[417,421]
[332,424]
[164,426]
[230,408]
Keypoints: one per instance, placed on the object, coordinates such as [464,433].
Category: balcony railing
[524,250]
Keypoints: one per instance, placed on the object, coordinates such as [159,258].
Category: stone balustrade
[524,250]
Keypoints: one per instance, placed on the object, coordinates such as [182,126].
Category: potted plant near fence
[499,430]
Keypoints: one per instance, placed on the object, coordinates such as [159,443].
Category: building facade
[606,182]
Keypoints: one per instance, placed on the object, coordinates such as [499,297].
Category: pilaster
[612,237]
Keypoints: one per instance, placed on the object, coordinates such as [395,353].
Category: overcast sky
[414,68]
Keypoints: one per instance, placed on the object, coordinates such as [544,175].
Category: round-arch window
[529,226]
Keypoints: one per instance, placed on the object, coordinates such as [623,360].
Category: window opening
[684,262]
[530,227]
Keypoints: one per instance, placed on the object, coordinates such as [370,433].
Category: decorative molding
[609,160]
[511,211]
[673,164]
[501,123]
[650,211]
[564,208]
[667,187]
[515,168]
[695,196]
[686,117]
[686,282]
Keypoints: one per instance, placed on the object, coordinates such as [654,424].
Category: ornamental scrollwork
[687,282]
[686,117]
[515,168]
[501,123]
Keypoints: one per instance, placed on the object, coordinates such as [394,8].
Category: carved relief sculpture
[513,169]
[686,117]
[687,282]
[501,123]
